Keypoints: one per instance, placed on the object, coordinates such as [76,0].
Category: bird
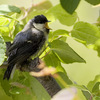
[27,43]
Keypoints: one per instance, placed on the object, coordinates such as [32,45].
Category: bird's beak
[46,25]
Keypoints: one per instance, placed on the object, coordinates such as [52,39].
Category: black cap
[40,19]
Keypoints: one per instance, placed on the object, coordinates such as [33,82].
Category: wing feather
[25,45]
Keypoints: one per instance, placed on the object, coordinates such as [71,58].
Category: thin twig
[46,54]
[43,50]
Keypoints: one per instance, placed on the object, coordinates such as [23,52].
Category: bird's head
[40,22]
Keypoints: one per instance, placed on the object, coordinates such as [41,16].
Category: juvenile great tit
[27,43]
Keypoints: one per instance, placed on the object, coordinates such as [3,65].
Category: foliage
[69,5]
[2,50]
[24,86]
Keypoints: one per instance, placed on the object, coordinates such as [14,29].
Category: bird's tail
[8,71]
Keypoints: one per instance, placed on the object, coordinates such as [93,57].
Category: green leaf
[23,86]
[60,33]
[84,90]
[81,87]
[3,21]
[5,9]
[7,26]
[86,32]
[87,95]
[3,96]
[93,2]
[91,84]
[55,62]
[2,50]
[23,97]
[11,24]
[57,11]
[7,38]
[16,90]
[98,22]
[5,84]
[97,46]
[69,5]
[96,88]
[38,89]
[98,19]
[65,78]
[4,25]
[96,98]
[18,28]
[64,52]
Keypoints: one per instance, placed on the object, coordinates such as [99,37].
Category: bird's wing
[18,41]
[25,45]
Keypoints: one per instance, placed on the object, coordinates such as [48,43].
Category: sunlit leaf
[64,52]
[86,32]
[2,50]
[7,26]
[7,38]
[18,28]
[60,33]
[4,26]
[5,9]
[69,5]
[67,19]
[11,24]
[3,21]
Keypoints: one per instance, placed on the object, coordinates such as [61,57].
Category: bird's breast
[39,33]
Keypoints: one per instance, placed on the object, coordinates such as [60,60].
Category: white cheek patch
[39,26]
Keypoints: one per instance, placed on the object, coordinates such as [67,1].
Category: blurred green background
[79,72]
